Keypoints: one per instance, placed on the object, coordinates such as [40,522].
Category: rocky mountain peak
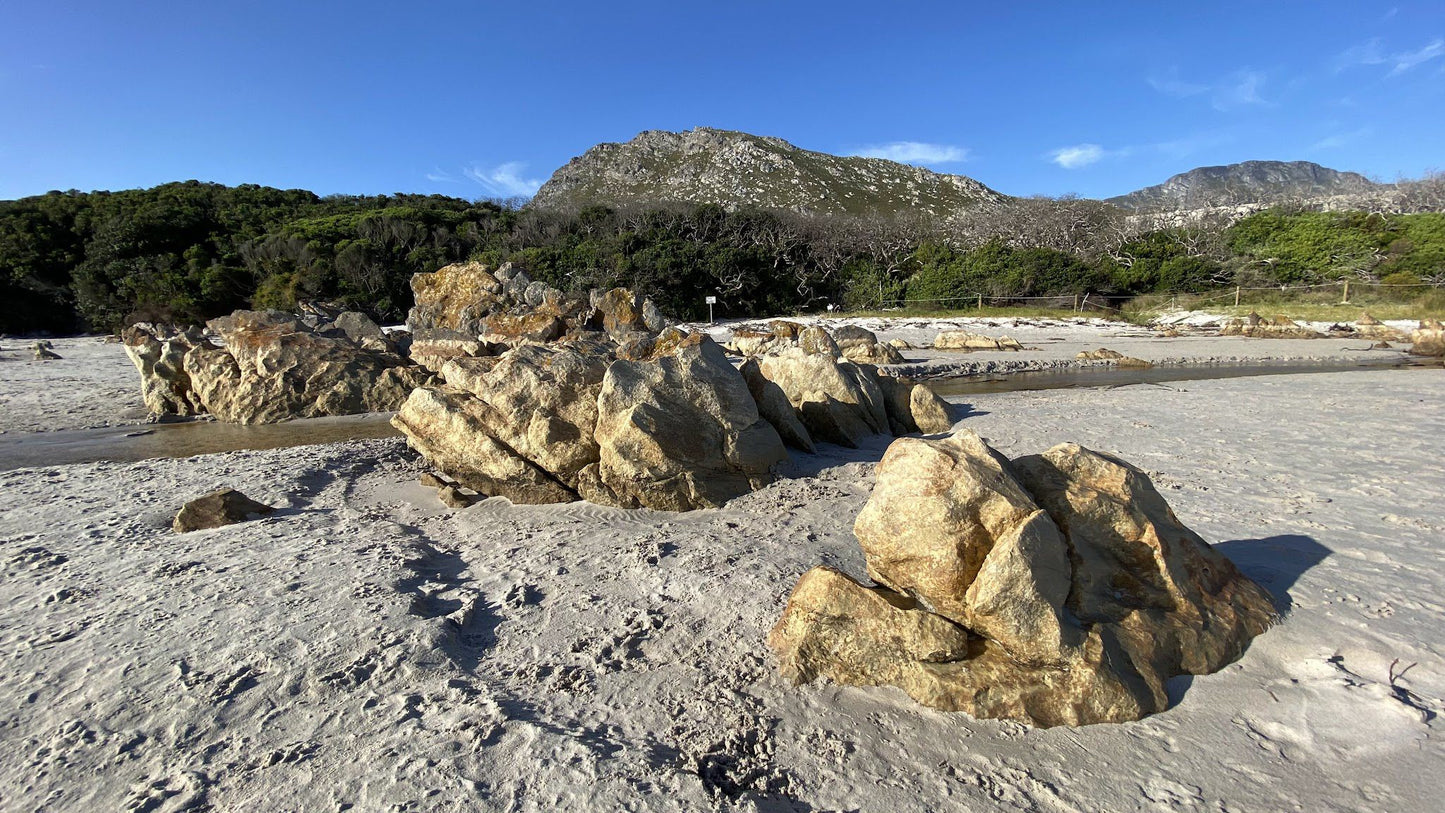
[733,169]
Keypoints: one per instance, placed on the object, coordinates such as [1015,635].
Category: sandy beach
[367,648]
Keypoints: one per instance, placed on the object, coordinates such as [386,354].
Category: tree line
[190,251]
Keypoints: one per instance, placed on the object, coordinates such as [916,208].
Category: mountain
[733,169]
[1248,183]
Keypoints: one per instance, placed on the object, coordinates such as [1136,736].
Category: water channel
[184,439]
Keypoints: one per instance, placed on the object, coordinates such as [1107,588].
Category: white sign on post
[712,300]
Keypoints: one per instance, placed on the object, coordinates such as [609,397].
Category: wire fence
[1345,292]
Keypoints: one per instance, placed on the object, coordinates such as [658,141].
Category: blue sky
[486,99]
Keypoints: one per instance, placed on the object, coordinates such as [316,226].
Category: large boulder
[679,432]
[159,352]
[775,408]
[457,298]
[272,368]
[1084,593]
[838,401]
[518,426]
[913,407]
[964,340]
[1428,339]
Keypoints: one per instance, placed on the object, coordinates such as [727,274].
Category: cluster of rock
[1257,327]
[1112,356]
[268,366]
[1428,339]
[44,351]
[964,340]
[1055,589]
[468,309]
[613,413]
[854,343]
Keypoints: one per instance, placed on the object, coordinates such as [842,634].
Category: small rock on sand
[225,507]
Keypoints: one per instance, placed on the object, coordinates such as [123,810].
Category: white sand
[92,384]
[366,647]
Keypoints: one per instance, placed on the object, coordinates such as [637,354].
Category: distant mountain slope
[737,169]
[1250,182]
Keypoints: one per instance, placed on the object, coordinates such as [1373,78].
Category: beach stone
[432,348]
[964,340]
[451,428]
[938,510]
[1102,354]
[861,346]
[679,432]
[1082,593]
[43,351]
[931,413]
[518,426]
[224,507]
[452,497]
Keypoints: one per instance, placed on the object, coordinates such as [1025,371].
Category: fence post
[1236,295]
[1347,293]
[1076,303]
[980,301]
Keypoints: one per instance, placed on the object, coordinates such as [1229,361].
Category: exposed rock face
[737,169]
[861,346]
[225,507]
[1078,591]
[518,426]
[964,340]
[1259,328]
[1428,339]
[679,432]
[159,352]
[271,367]
[674,428]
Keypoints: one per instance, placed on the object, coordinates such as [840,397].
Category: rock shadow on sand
[1275,562]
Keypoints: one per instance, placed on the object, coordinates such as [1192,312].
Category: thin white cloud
[1366,53]
[914,152]
[440,177]
[1341,139]
[1172,85]
[504,180]
[1240,90]
[1077,156]
[1409,59]
[1372,52]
